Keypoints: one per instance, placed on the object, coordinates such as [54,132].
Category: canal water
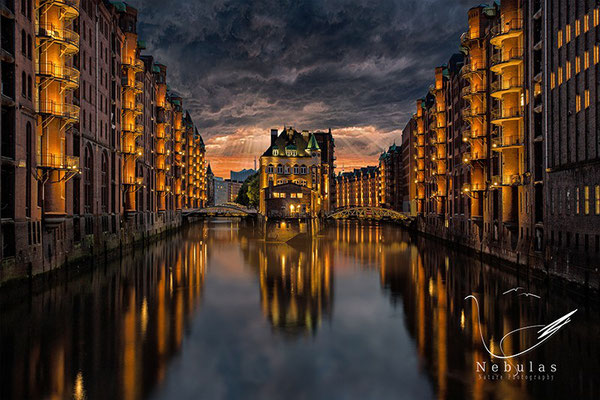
[363,311]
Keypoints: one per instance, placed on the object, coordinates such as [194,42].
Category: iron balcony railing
[507,180]
[138,181]
[507,113]
[59,110]
[512,26]
[58,161]
[506,84]
[507,141]
[136,150]
[133,63]
[514,54]
[63,35]
[135,107]
[68,75]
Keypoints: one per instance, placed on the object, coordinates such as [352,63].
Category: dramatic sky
[244,67]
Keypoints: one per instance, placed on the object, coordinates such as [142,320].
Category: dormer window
[275,152]
[291,153]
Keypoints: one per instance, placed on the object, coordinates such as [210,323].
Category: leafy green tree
[249,193]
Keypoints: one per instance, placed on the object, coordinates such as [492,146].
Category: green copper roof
[155,68]
[120,6]
[291,146]
[312,143]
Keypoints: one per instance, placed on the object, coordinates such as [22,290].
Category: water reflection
[106,333]
[384,313]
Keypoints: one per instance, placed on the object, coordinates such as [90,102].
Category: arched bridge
[222,210]
[373,213]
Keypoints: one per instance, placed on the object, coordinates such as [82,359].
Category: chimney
[273,136]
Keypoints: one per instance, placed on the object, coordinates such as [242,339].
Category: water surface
[363,311]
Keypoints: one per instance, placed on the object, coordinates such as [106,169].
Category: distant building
[241,176]
[359,188]
[391,174]
[221,190]
[295,179]
[233,188]
[210,186]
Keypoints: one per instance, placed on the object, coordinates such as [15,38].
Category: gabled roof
[291,139]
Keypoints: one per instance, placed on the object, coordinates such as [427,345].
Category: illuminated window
[587,98]
[577,201]
[567,33]
[577,64]
[596,54]
[586,23]
[293,195]
[596,17]
[586,200]
[560,75]
[577,28]
[577,103]
[597,199]
[568,71]
[299,195]
[586,60]
[559,39]
[552,80]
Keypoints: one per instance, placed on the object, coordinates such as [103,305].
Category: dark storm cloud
[248,65]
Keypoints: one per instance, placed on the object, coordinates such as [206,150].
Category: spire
[312,143]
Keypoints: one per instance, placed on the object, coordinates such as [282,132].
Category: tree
[249,192]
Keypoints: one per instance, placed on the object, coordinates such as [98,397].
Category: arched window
[280,169]
[303,169]
[23,7]
[286,169]
[23,84]
[23,42]
[88,179]
[270,169]
[29,46]
[104,183]
[295,169]
[29,87]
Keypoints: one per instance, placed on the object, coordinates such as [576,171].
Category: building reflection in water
[431,282]
[111,332]
[123,320]
[296,284]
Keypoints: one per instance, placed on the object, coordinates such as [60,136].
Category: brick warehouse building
[505,144]
[96,151]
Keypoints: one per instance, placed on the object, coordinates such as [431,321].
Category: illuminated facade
[502,145]
[295,164]
[359,188]
[98,151]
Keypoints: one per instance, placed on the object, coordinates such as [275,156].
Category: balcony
[506,114]
[135,108]
[469,134]
[469,69]
[504,86]
[506,59]
[134,63]
[507,180]
[69,112]
[472,156]
[507,142]
[58,162]
[67,38]
[470,112]
[136,151]
[473,187]
[135,86]
[136,129]
[67,75]
[467,37]
[70,8]
[136,181]
[507,30]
